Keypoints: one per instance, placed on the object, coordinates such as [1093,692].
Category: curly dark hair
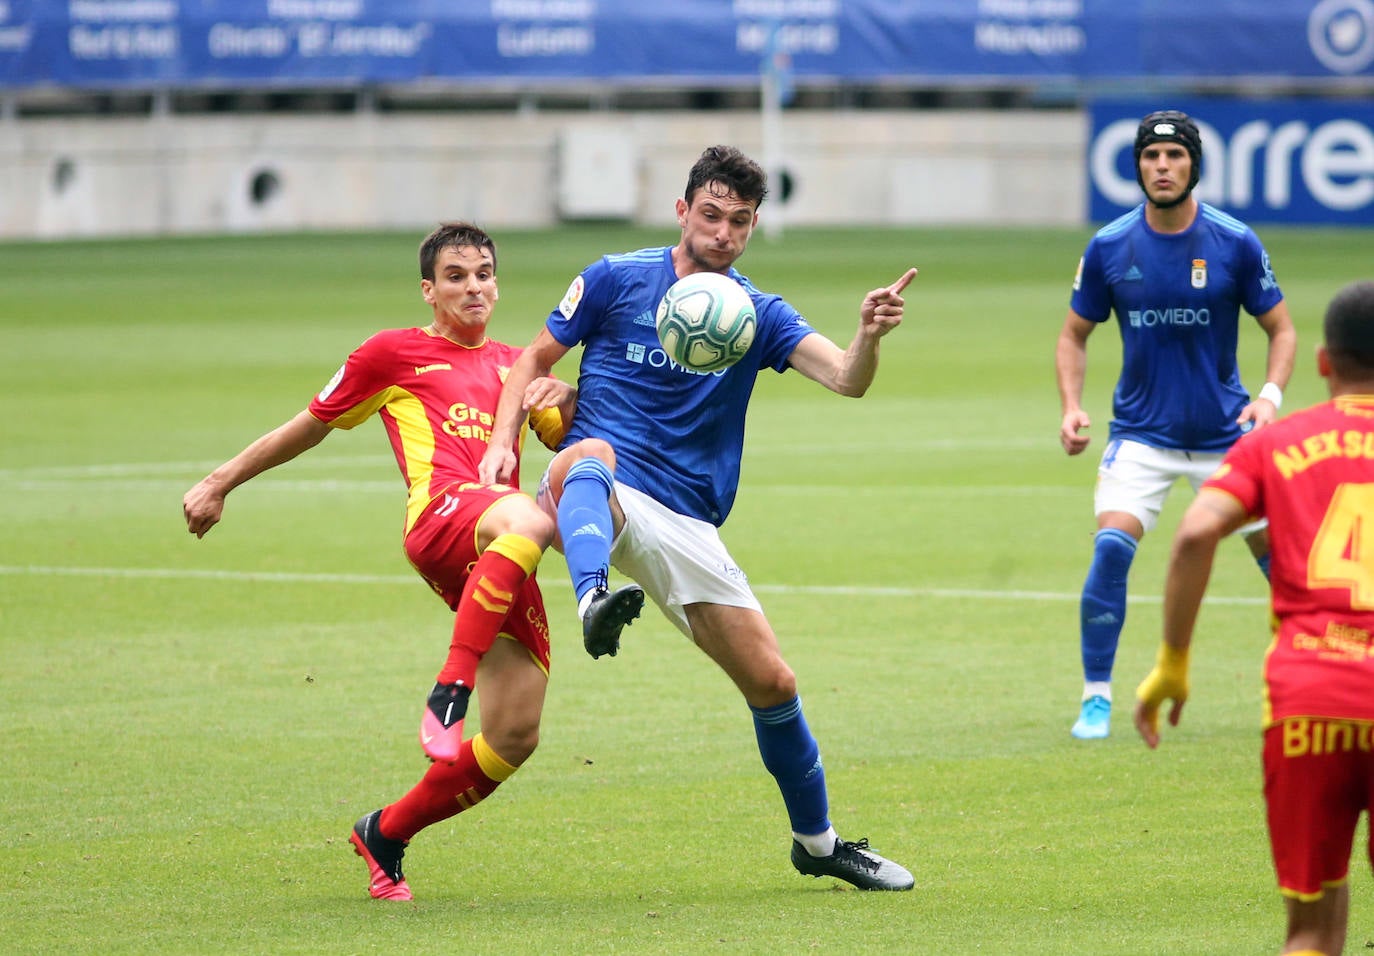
[730,168]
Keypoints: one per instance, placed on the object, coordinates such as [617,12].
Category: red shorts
[1318,779]
[442,546]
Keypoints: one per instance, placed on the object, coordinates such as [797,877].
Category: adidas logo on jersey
[1132,274]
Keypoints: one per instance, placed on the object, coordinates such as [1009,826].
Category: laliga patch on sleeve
[1078,276]
[333,384]
[571,298]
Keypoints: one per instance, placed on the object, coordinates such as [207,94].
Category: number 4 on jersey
[1342,554]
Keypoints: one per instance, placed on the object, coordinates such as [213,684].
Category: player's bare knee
[774,685]
[538,527]
[533,524]
[595,448]
[514,744]
[525,519]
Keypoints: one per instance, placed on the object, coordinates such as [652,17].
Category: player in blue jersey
[1176,272]
[648,473]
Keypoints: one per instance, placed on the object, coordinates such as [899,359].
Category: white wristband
[1273,393]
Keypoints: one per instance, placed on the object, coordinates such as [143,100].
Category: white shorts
[1136,478]
[677,560]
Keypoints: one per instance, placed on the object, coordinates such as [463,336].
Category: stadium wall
[193,174]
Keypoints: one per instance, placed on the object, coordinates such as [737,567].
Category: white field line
[166,477]
[395,488]
[163,469]
[160,471]
[288,577]
[180,475]
[320,462]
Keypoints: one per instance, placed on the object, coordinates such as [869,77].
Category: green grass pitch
[189,728]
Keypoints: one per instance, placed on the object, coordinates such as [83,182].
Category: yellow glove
[1168,681]
[549,426]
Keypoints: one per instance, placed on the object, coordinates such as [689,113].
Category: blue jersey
[678,435]
[1177,299]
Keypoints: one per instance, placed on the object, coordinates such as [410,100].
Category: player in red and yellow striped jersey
[1312,475]
[435,390]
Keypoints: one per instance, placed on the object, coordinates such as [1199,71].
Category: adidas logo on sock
[588,529]
[1106,617]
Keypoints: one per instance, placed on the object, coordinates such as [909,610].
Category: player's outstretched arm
[851,371]
[203,505]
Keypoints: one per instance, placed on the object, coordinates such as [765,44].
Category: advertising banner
[1277,160]
[151,43]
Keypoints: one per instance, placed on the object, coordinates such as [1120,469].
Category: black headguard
[1175,127]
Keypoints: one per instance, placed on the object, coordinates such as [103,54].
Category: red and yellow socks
[491,588]
[447,790]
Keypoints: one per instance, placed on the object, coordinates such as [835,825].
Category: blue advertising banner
[1288,161]
[151,43]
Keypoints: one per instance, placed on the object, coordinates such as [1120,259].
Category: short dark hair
[731,168]
[1349,330]
[453,235]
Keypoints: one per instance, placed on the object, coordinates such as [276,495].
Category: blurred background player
[1312,476]
[650,467]
[1176,272]
[435,390]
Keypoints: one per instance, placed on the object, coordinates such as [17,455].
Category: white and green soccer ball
[706,322]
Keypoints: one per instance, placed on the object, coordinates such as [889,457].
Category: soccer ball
[706,321]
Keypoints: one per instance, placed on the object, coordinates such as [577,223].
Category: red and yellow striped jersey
[436,399]
[1312,475]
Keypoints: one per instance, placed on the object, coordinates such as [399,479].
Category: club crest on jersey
[571,298]
[1199,273]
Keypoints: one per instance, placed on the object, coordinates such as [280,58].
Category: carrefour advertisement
[1280,161]
[143,43]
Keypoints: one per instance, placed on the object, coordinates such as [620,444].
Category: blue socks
[792,756]
[1263,563]
[1102,611]
[584,523]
